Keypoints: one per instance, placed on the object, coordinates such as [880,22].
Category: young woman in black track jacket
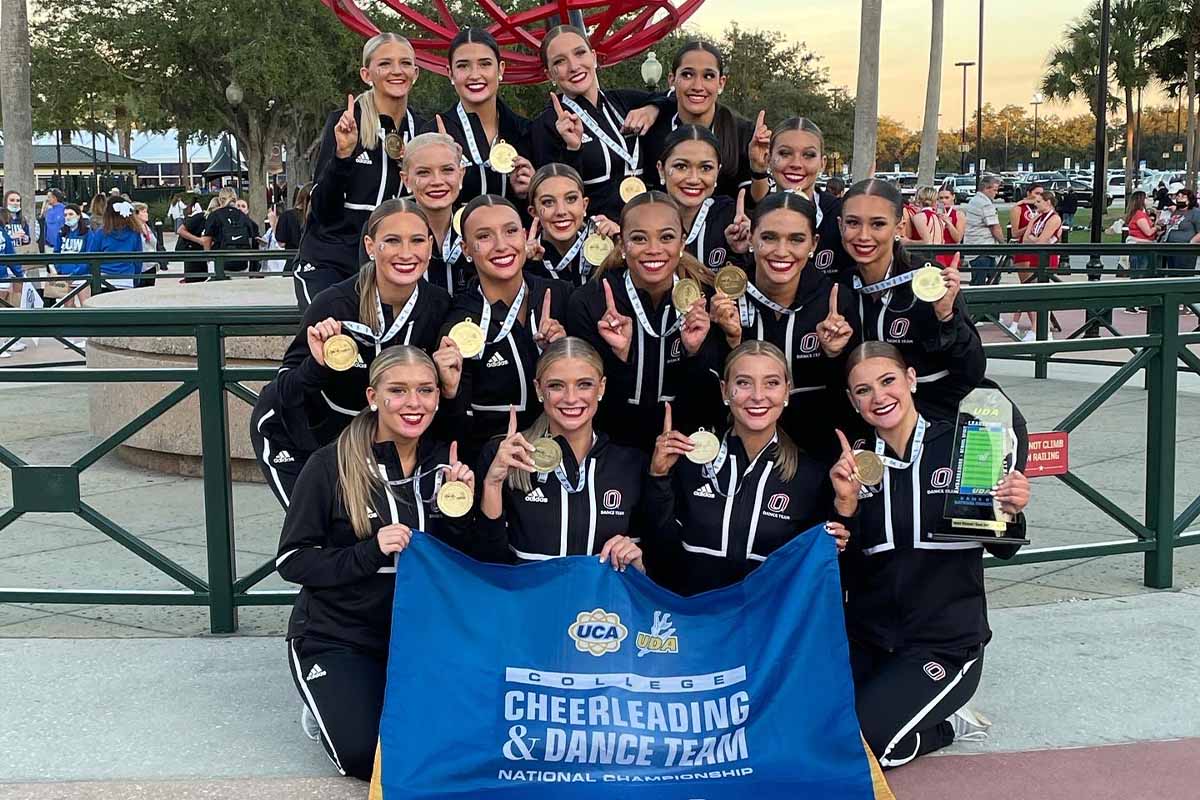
[480,119]
[519,316]
[650,350]
[308,404]
[593,503]
[811,322]
[356,170]
[561,226]
[587,128]
[434,174]
[916,614]
[718,230]
[356,505]
[725,517]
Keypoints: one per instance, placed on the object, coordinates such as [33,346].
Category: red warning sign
[1047,454]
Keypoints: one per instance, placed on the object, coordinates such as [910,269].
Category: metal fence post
[218,488]
[94,268]
[1160,444]
[1042,321]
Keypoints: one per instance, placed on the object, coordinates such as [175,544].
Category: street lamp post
[235,95]
[962,142]
[1038,99]
[979,105]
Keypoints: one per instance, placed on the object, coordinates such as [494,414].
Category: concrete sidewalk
[219,717]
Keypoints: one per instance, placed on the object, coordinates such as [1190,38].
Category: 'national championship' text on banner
[565,679]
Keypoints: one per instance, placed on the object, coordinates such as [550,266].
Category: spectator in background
[244,207]
[8,247]
[141,212]
[1162,197]
[983,227]
[19,228]
[228,228]
[270,240]
[291,222]
[52,220]
[178,209]
[1183,227]
[1141,231]
[1068,204]
[954,224]
[189,235]
[73,240]
[835,187]
[121,234]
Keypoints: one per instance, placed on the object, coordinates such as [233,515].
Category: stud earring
[374,407]
[541,399]
[912,390]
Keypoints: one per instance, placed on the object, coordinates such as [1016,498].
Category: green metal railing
[1159,353]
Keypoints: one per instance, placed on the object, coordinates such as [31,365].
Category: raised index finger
[761,121]
[441,126]
[546,306]
[350,104]
[667,418]
[608,298]
[512,420]
[833,301]
[454,452]
[558,109]
[534,229]
[741,203]
[847,450]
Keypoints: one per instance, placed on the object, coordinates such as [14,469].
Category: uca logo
[597,632]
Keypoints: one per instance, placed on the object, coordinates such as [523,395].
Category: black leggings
[280,464]
[343,688]
[905,699]
[309,280]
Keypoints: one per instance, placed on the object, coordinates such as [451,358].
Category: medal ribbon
[640,312]
[379,336]
[564,264]
[477,160]
[712,470]
[749,313]
[622,151]
[451,252]
[485,317]
[918,445]
[416,479]
[697,230]
[561,474]
[885,284]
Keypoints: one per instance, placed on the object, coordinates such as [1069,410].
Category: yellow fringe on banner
[882,790]
[376,792]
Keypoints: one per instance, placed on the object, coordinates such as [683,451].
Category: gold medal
[596,248]
[927,284]
[868,467]
[393,145]
[685,293]
[455,499]
[705,446]
[731,281]
[469,338]
[631,187]
[503,157]
[340,352]
[456,220]
[547,455]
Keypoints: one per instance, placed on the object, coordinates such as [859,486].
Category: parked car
[1082,191]
[1116,186]
[908,186]
[963,187]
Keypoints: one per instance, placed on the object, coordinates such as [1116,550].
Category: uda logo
[660,639]
[597,632]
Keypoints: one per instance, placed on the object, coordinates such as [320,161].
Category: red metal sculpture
[620,29]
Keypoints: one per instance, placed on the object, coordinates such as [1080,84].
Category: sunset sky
[1018,37]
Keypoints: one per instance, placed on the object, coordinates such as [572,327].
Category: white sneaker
[969,726]
[308,723]
[1030,336]
[1013,328]
[6,354]
[17,347]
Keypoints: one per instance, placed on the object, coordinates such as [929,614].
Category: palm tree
[1175,66]
[866,105]
[927,165]
[16,106]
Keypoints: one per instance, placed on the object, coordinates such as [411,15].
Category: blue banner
[565,679]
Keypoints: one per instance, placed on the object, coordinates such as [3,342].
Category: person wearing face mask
[511,317]
[561,226]
[71,238]
[358,165]
[627,312]
[718,230]
[311,401]
[481,120]
[590,502]
[789,158]
[596,132]
[357,502]
[727,515]
[16,240]
[433,173]
[916,614]
[813,323]
[937,338]
[697,79]
[1183,227]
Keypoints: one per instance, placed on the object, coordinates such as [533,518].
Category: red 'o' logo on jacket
[941,478]
[778,503]
[612,499]
[899,328]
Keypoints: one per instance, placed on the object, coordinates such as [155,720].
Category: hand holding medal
[723,310]
[696,321]
[457,493]
[834,331]
[469,338]
[331,348]
[568,125]
[668,447]
[937,286]
[345,132]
